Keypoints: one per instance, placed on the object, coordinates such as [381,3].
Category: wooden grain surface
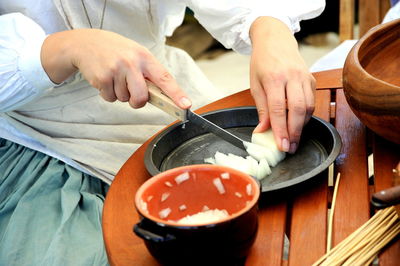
[329,79]
[370,13]
[309,210]
[352,203]
[346,20]
[386,157]
[301,216]
[371,80]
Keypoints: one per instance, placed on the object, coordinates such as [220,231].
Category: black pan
[185,144]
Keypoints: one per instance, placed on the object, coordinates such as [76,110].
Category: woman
[58,56]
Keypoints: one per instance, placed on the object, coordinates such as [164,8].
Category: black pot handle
[150,236]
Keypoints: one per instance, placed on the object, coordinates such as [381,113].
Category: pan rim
[331,156]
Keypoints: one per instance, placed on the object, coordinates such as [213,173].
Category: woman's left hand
[280,80]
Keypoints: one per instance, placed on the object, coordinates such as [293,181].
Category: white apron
[74,121]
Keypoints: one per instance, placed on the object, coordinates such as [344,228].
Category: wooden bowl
[371,80]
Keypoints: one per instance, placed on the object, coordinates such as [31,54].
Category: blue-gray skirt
[50,213]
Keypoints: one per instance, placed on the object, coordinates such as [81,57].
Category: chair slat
[369,15]
[268,247]
[352,203]
[309,211]
[386,157]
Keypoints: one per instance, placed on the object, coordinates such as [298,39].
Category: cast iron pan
[185,144]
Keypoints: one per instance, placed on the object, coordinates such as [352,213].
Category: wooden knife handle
[390,196]
[163,102]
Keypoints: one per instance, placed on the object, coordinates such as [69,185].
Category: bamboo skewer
[363,245]
[330,223]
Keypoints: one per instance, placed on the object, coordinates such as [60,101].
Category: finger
[157,74]
[296,114]
[277,112]
[121,88]
[309,94]
[260,98]
[137,88]
[106,88]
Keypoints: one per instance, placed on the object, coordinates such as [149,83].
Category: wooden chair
[370,14]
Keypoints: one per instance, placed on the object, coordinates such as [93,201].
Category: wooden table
[302,216]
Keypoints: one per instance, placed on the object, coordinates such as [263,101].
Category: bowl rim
[188,168]
[359,45]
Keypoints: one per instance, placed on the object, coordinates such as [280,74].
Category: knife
[163,102]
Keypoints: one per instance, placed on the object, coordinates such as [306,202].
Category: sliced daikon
[249,165]
[182,177]
[249,189]
[252,166]
[263,169]
[259,152]
[210,160]
[233,161]
[225,175]
[267,140]
[238,194]
[164,213]
[164,196]
[218,184]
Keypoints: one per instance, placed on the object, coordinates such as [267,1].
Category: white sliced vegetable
[248,165]
[253,166]
[182,207]
[263,151]
[221,159]
[168,184]
[210,160]
[143,205]
[238,194]
[208,216]
[205,208]
[263,169]
[231,160]
[149,198]
[218,184]
[267,140]
[182,177]
[239,163]
[164,196]
[260,152]
[164,213]
[249,189]
[225,176]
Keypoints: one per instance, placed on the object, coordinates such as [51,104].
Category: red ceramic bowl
[221,193]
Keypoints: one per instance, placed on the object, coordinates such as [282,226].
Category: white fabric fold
[22,77]
[71,121]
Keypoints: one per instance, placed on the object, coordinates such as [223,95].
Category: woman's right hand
[115,65]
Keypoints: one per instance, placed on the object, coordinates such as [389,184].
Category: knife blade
[163,102]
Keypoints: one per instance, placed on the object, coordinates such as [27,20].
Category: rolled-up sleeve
[229,21]
[22,77]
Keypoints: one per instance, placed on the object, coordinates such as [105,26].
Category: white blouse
[56,119]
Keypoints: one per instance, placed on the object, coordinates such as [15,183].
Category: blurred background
[340,22]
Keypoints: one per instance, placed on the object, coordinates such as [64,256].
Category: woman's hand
[279,79]
[113,64]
